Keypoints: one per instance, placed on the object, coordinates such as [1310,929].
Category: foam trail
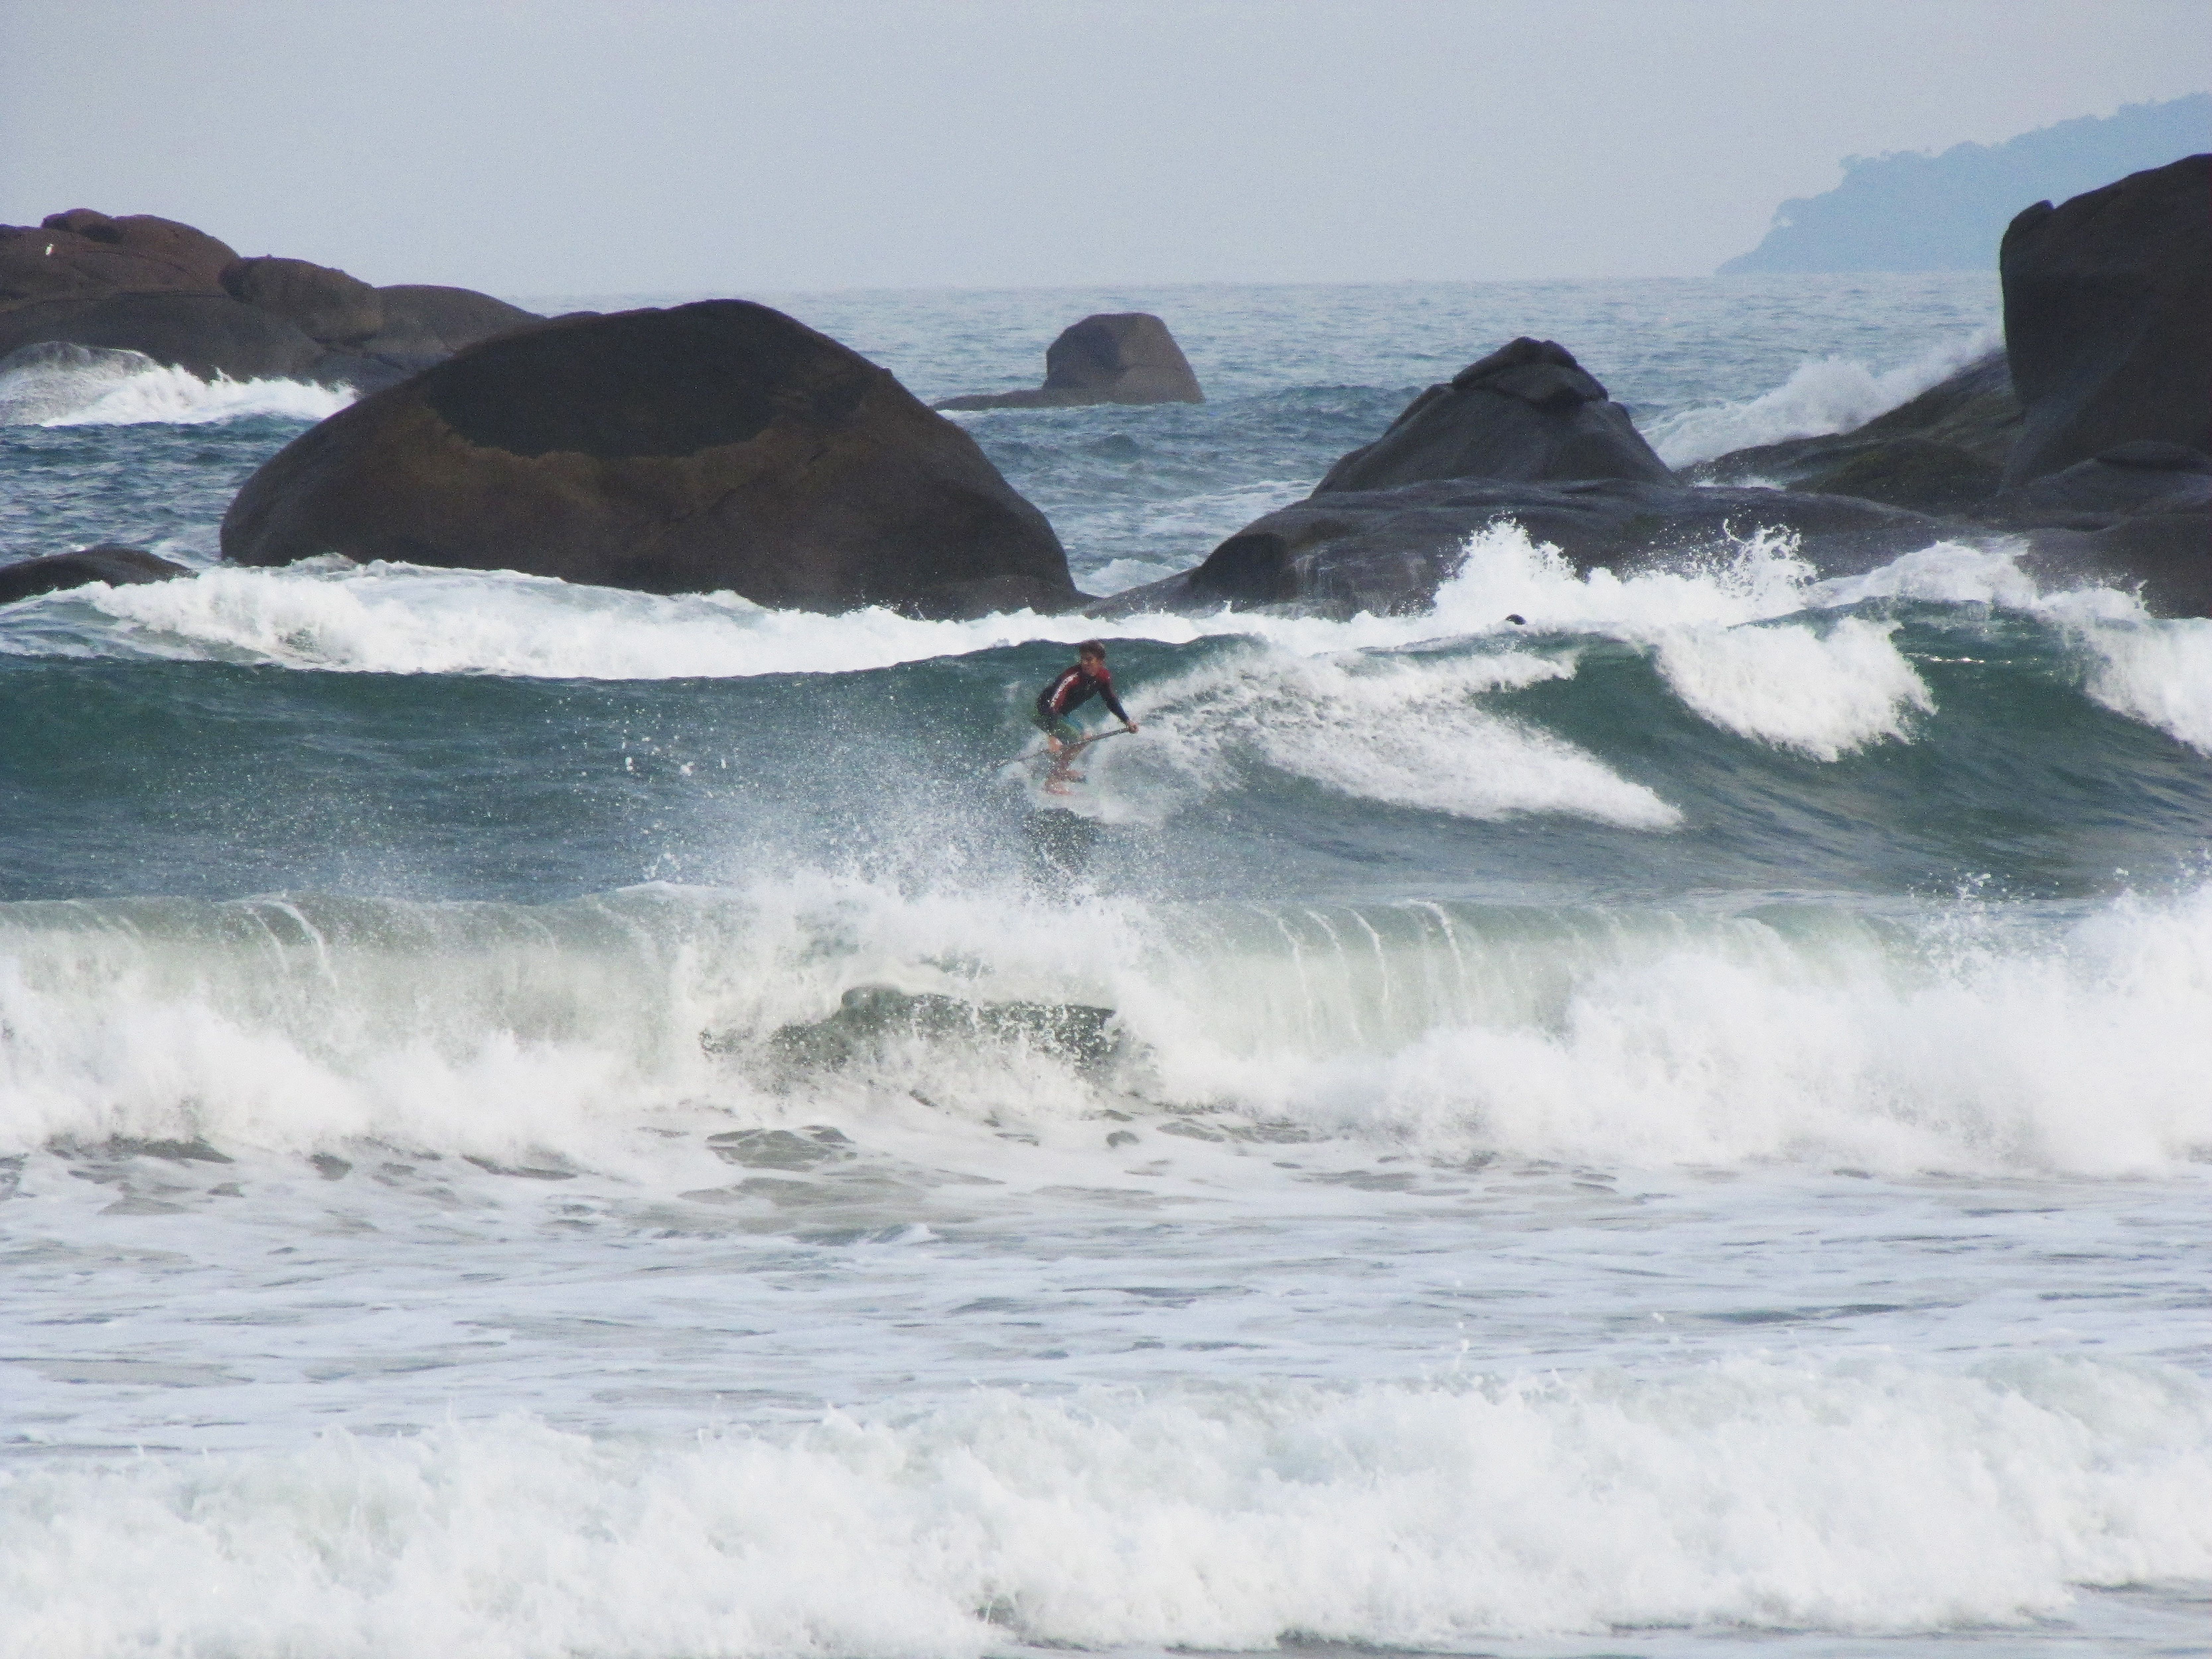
[1864,1497]
[1831,394]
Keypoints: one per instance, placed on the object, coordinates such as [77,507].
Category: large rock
[118,567]
[1528,411]
[2108,318]
[2146,476]
[421,319]
[1942,451]
[81,278]
[716,446]
[1115,357]
[209,334]
[1387,551]
[81,253]
[323,303]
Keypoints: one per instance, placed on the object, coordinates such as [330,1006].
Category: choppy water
[541,1120]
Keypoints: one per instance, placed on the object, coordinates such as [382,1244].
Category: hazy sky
[563,146]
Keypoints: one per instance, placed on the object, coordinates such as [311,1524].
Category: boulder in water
[1529,411]
[118,567]
[2108,318]
[1114,357]
[710,447]
[323,303]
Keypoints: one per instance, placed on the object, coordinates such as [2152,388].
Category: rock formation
[180,297]
[1115,357]
[1387,551]
[1942,451]
[120,566]
[1528,411]
[710,447]
[2108,318]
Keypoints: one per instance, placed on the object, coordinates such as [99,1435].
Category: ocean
[537,1121]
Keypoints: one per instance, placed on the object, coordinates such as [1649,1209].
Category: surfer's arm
[1113,705]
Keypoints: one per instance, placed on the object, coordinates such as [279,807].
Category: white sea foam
[80,387]
[1831,394]
[1410,731]
[2159,672]
[1870,1497]
[1822,686]
[1824,693]
[1969,1043]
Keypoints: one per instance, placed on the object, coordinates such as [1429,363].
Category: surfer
[1074,687]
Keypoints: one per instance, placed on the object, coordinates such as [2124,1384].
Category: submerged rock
[1528,411]
[118,567]
[871,1017]
[1114,357]
[721,446]
[2108,318]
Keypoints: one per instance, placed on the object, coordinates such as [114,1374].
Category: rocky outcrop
[2108,318]
[118,567]
[1115,357]
[322,303]
[182,298]
[1942,451]
[209,334]
[711,446]
[2146,476]
[422,319]
[81,254]
[1387,551]
[1528,411]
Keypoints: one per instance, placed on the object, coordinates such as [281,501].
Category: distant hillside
[1919,212]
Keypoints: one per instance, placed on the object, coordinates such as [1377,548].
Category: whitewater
[1614,1115]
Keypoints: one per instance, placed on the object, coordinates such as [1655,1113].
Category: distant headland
[1913,211]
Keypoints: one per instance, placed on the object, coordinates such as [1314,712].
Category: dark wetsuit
[1075,687]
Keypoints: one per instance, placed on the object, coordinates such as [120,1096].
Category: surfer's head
[1091,654]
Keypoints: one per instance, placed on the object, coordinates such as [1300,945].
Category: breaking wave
[1831,394]
[1975,1039]
[1864,1497]
[81,385]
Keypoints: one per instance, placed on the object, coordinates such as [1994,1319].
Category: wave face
[1614,1115]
